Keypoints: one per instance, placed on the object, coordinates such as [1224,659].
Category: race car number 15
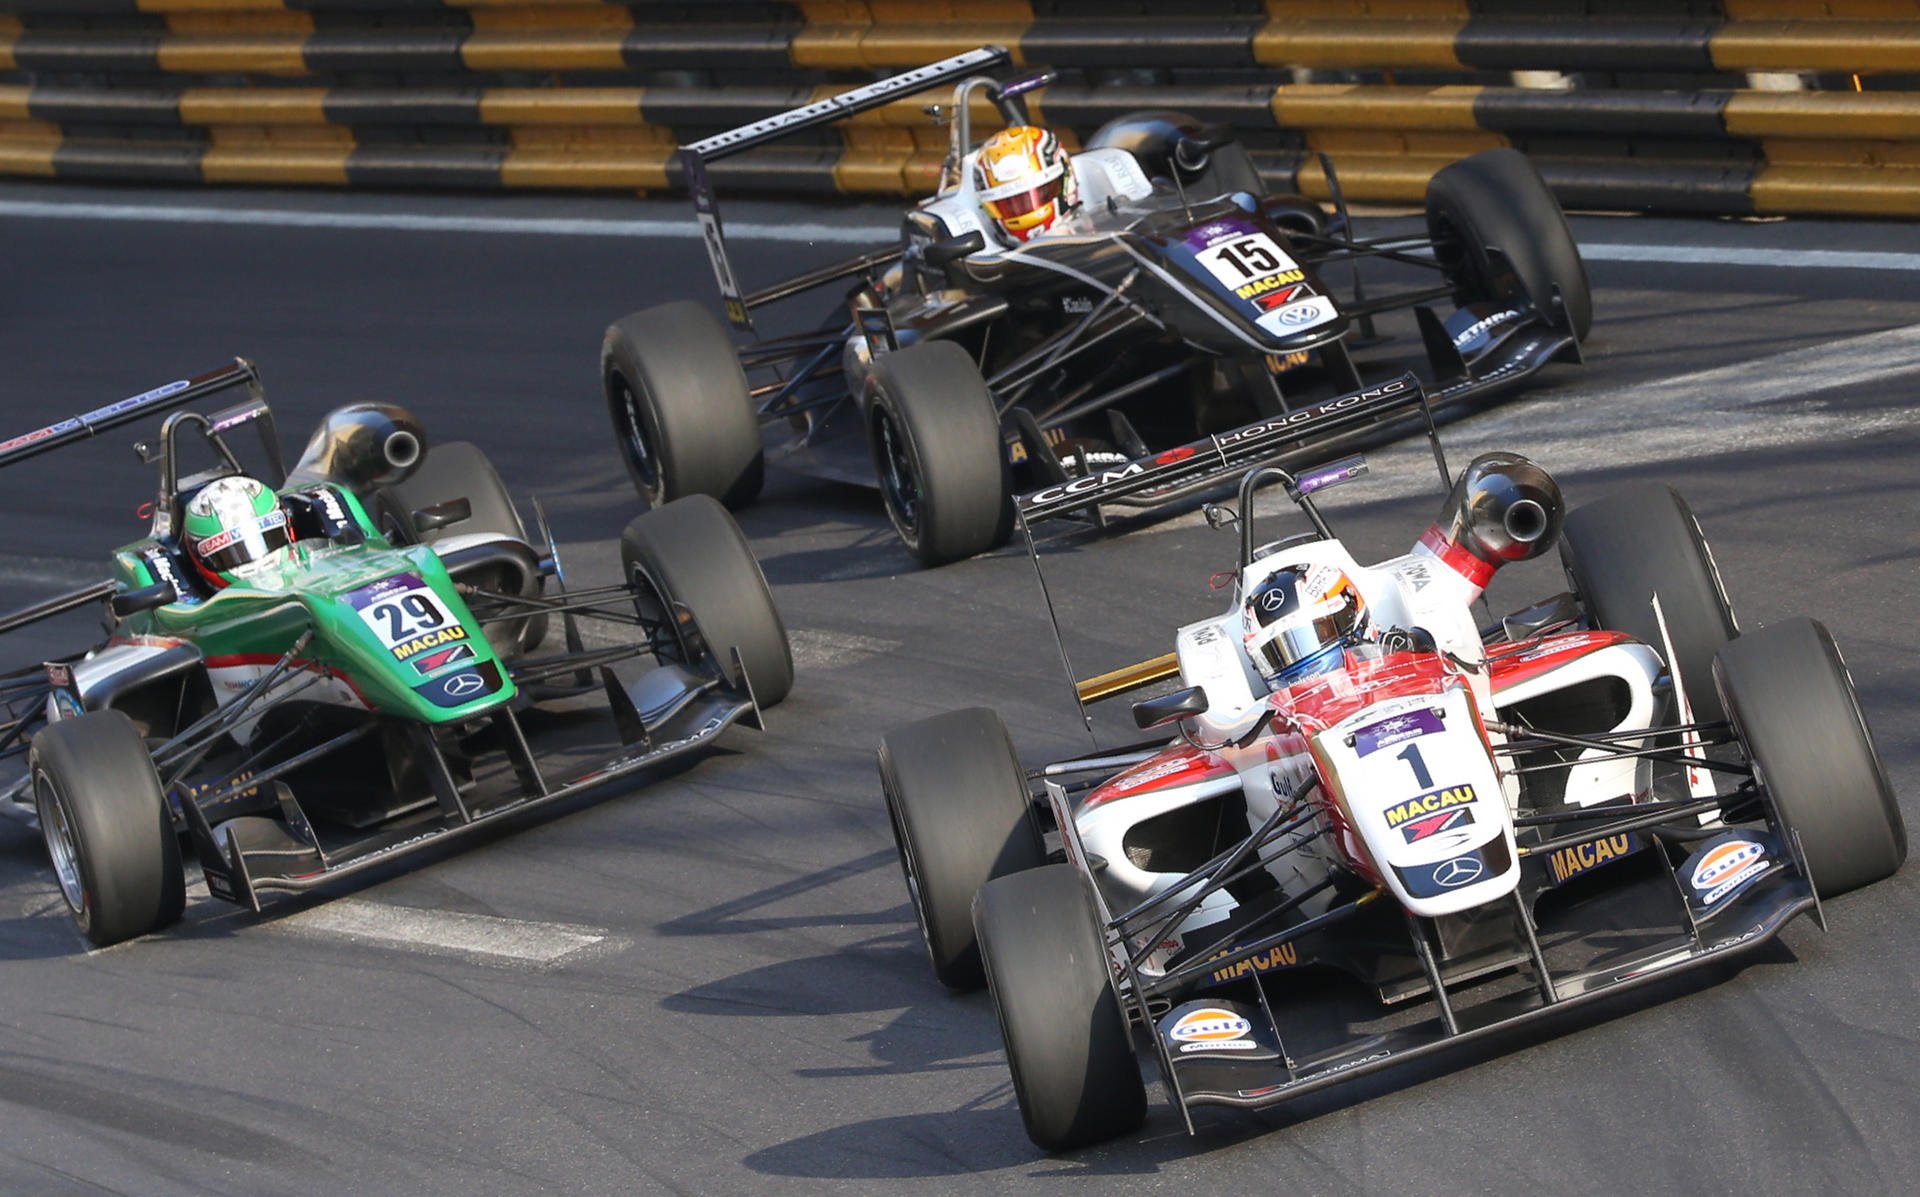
[402,617]
[1244,259]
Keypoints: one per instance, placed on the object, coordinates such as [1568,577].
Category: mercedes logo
[1461,870]
[462,684]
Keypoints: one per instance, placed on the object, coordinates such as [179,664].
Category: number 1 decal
[1411,755]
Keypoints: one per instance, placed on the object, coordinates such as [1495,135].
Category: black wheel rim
[634,439]
[899,480]
[666,639]
[908,869]
[63,849]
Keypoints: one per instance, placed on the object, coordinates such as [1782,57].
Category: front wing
[248,855]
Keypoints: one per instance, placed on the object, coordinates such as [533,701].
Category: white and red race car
[1482,826]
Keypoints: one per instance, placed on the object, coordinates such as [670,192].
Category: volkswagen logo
[462,684]
[1300,313]
[1461,870]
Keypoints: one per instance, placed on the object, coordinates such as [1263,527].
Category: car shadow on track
[984,1133]
[42,928]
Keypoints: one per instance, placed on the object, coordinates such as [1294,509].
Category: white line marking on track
[420,222]
[480,937]
[1685,418]
[1698,415]
[812,232]
[1726,255]
[824,648]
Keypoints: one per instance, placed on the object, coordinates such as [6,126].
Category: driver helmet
[1298,619]
[1025,181]
[235,530]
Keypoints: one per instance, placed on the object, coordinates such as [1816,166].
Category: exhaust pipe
[363,446]
[1504,508]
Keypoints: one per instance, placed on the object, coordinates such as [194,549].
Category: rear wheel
[1623,550]
[958,802]
[461,470]
[682,413]
[1497,200]
[1074,1071]
[691,553]
[937,451]
[1792,701]
[105,823]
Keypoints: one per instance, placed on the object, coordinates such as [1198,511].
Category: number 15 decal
[1245,258]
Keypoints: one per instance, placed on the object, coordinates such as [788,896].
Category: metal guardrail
[1744,106]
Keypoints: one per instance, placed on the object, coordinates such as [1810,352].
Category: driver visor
[231,548]
[1295,645]
[1026,201]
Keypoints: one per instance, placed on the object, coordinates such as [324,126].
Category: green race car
[313,670]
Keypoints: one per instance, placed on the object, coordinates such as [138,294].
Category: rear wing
[239,372]
[1226,453]
[161,398]
[694,158]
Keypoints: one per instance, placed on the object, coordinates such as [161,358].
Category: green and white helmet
[235,530]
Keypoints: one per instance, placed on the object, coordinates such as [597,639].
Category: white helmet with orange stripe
[1024,178]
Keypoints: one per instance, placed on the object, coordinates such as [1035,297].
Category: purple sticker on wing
[1388,732]
[1215,231]
[1332,474]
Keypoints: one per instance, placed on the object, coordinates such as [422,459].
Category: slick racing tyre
[1074,1071]
[958,802]
[460,470]
[682,413]
[1792,701]
[1496,200]
[937,452]
[1624,549]
[105,823]
[691,553]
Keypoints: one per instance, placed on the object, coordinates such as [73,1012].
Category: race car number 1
[399,618]
[1245,258]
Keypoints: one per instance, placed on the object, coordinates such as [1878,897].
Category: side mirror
[440,515]
[944,253]
[1150,713]
[1191,152]
[146,598]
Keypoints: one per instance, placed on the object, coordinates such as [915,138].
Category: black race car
[1177,300]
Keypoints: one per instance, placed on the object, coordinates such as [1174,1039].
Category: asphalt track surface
[712,983]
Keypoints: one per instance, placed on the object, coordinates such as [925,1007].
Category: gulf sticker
[1725,860]
[1212,1028]
[1724,869]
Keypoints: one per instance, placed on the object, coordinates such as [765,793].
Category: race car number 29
[400,618]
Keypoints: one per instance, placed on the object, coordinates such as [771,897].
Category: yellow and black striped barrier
[1759,106]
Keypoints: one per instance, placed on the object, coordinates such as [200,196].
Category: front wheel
[1792,701]
[1074,1071]
[937,451]
[957,799]
[690,554]
[682,413]
[1622,551]
[1496,200]
[105,823]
